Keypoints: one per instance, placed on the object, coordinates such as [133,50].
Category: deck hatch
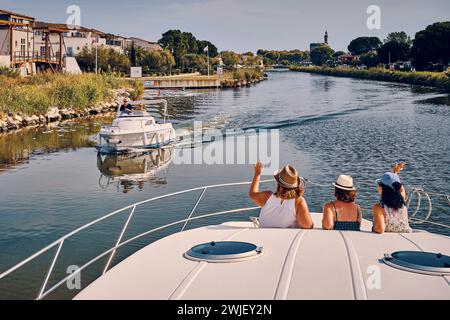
[223,251]
[419,262]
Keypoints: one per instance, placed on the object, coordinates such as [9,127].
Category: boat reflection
[128,171]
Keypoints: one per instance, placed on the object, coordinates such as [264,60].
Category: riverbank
[437,80]
[38,100]
[238,78]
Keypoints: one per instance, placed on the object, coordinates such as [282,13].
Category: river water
[52,180]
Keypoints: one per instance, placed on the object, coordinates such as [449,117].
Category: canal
[52,180]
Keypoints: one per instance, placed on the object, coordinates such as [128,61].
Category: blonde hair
[287,194]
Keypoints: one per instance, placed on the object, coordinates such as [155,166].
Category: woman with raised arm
[286,208]
[342,213]
[391,213]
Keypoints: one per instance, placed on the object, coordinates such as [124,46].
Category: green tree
[363,45]
[133,55]
[183,43]
[157,60]
[338,54]
[285,57]
[396,47]
[230,58]
[202,44]
[370,59]
[432,45]
[321,55]
[194,62]
[109,60]
[400,37]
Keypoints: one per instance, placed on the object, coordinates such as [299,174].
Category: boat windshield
[134,113]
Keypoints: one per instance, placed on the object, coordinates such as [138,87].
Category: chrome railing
[58,244]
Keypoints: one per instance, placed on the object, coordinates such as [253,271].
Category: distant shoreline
[437,80]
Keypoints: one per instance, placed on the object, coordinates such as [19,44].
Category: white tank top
[276,214]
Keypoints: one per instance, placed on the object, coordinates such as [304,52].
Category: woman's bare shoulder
[377,209]
[328,204]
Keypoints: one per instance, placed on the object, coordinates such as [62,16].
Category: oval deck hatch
[419,262]
[223,251]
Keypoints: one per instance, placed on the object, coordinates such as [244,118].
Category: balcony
[30,56]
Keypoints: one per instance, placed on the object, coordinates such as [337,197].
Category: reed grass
[36,94]
[440,80]
[247,74]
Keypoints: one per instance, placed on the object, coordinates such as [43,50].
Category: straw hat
[345,183]
[287,177]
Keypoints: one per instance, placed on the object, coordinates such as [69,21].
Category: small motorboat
[135,130]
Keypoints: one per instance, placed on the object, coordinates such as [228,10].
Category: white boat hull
[296,264]
[150,137]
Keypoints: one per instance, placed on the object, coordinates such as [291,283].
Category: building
[316,45]
[145,44]
[16,38]
[74,39]
[117,43]
[31,46]
[347,58]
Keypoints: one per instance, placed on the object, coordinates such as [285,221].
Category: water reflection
[128,171]
[20,146]
[442,100]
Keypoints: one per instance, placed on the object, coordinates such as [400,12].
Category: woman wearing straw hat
[286,208]
[342,213]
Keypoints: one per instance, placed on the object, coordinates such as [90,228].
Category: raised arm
[259,198]
[396,169]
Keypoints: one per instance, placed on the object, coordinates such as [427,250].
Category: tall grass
[247,74]
[34,95]
[440,80]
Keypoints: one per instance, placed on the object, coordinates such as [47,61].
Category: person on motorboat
[139,110]
[126,106]
[342,213]
[286,208]
[391,213]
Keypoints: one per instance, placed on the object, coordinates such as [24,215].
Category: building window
[43,51]
[37,33]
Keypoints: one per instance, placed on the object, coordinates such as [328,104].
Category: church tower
[326,37]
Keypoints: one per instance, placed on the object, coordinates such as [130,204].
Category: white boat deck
[296,264]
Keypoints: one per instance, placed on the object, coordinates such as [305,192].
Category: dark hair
[287,194]
[345,195]
[392,198]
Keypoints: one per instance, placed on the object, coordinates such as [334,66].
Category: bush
[439,80]
[138,92]
[34,95]
[8,72]
[247,74]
